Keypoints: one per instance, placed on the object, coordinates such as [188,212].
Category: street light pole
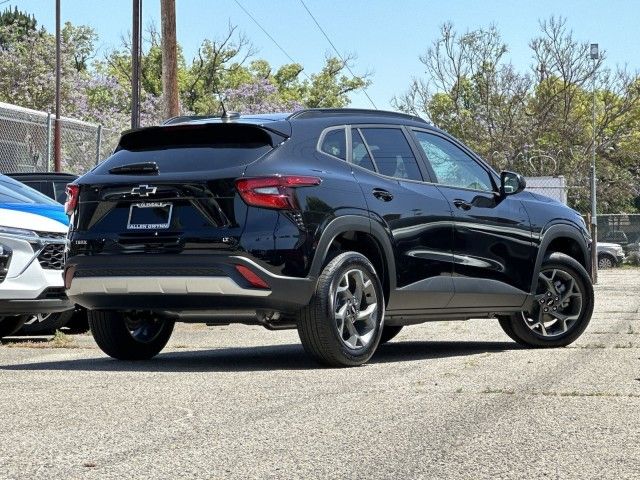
[57,147]
[594,215]
[135,63]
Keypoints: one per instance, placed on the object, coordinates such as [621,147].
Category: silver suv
[609,255]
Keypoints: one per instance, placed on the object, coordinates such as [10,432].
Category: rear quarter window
[334,143]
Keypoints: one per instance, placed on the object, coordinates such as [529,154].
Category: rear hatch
[169,189]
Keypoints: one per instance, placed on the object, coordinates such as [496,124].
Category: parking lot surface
[442,400]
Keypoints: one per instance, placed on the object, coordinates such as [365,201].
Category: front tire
[389,332]
[46,323]
[342,324]
[11,324]
[78,322]
[562,307]
[129,336]
[606,261]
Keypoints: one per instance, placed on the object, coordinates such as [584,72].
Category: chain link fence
[26,142]
[620,228]
[26,145]
[554,187]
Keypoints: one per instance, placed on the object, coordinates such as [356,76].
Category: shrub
[634,259]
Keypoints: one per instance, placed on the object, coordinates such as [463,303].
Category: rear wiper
[144,168]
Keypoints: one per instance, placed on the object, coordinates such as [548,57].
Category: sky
[387,36]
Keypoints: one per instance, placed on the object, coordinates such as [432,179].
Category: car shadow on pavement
[264,358]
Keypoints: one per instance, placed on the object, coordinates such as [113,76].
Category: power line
[270,37]
[364,90]
[5,1]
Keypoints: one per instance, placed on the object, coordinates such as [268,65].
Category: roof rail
[186,118]
[317,112]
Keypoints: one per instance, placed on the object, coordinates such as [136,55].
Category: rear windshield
[191,148]
[13,191]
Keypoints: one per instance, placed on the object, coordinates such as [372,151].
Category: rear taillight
[73,192]
[273,192]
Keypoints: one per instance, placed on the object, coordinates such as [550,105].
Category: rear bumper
[180,283]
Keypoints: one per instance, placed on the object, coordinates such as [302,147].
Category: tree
[227,67]
[98,90]
[536,122]
[470,91]
[331,86]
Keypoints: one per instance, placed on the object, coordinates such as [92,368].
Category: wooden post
[171,102]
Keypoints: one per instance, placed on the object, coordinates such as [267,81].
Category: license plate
[149,216]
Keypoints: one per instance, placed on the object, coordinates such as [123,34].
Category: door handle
[382,194]
[462,204]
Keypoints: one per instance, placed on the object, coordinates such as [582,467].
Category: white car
[33,232]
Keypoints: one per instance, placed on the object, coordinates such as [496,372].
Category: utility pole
[135,63]
[171,102]
[57,147]
[594,216]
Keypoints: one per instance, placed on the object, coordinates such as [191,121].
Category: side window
[335,143]
[452,165]
[359,154]
[392,153]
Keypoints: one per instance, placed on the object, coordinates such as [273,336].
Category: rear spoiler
[199,134]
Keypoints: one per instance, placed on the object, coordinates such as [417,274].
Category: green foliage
[80,42]
[21,24]
[330,87]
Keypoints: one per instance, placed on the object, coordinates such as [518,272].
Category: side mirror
[511,183]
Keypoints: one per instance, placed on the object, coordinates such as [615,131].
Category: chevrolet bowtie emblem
[143,190]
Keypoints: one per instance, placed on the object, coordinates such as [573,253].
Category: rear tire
[342,324]
[127,336]
[566,292]
[10,325]
[389,332]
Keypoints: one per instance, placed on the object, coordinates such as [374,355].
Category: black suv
[345,224]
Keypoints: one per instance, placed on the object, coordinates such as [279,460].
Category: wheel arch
[359,234]
[562,238]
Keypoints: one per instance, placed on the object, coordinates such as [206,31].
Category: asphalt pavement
[442,400]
